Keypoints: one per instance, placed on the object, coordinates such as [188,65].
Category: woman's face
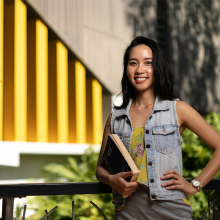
[140,68]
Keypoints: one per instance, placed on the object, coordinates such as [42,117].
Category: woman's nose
[140,69]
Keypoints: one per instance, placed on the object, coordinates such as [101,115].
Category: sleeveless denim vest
[163,145]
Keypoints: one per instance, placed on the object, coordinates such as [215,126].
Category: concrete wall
[96,31]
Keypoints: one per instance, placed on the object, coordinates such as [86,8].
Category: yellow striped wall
[44,96]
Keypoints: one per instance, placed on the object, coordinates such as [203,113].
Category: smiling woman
[140,68]
[150,122]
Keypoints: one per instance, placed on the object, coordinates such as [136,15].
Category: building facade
[61,62]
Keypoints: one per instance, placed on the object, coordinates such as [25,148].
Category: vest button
[147,131]
[153,197]
[148,146]
[152,180]
[149,163]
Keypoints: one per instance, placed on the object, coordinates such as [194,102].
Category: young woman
[150,123]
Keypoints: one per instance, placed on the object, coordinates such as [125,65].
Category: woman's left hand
[177,182]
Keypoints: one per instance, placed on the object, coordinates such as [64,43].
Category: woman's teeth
[140,79]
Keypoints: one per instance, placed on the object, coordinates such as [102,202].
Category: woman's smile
[141,79]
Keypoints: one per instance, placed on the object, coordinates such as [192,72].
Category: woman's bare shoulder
[185,113]
[181,105]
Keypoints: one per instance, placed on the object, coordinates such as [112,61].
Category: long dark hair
[163,75]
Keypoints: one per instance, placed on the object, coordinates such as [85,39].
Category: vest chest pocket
[164,138]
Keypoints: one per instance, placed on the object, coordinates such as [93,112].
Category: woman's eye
[149,63]
[132,63]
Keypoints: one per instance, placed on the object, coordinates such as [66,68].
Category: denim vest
[163,145]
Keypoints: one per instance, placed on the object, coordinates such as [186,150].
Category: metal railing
[8,192]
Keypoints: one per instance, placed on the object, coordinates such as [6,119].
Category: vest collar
[159,105]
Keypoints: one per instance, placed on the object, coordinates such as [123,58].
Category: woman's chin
[143,88]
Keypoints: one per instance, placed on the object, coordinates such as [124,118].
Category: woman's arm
[117,181]
[189,118]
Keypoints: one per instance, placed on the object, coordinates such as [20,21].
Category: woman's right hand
[116,181]
[119,183]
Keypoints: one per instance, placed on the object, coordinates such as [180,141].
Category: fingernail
[161,177]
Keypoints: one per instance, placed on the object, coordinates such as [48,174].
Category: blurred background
[60,72]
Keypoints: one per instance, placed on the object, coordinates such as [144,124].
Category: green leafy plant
[82,170]
[196,154]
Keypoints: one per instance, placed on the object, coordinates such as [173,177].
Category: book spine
[134,177]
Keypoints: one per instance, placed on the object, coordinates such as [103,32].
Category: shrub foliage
[196,154]
[73,171]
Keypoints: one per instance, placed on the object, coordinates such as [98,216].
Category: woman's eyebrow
[147,58]
[132,59]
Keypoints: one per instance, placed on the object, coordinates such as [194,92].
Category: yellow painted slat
[1,68]
[20,71]
[52,92]
[8,92]
[41,82]
[62,93]
[80,97]
[97,111]
[71,103]
[94,111]
[31,80]
[37,77]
